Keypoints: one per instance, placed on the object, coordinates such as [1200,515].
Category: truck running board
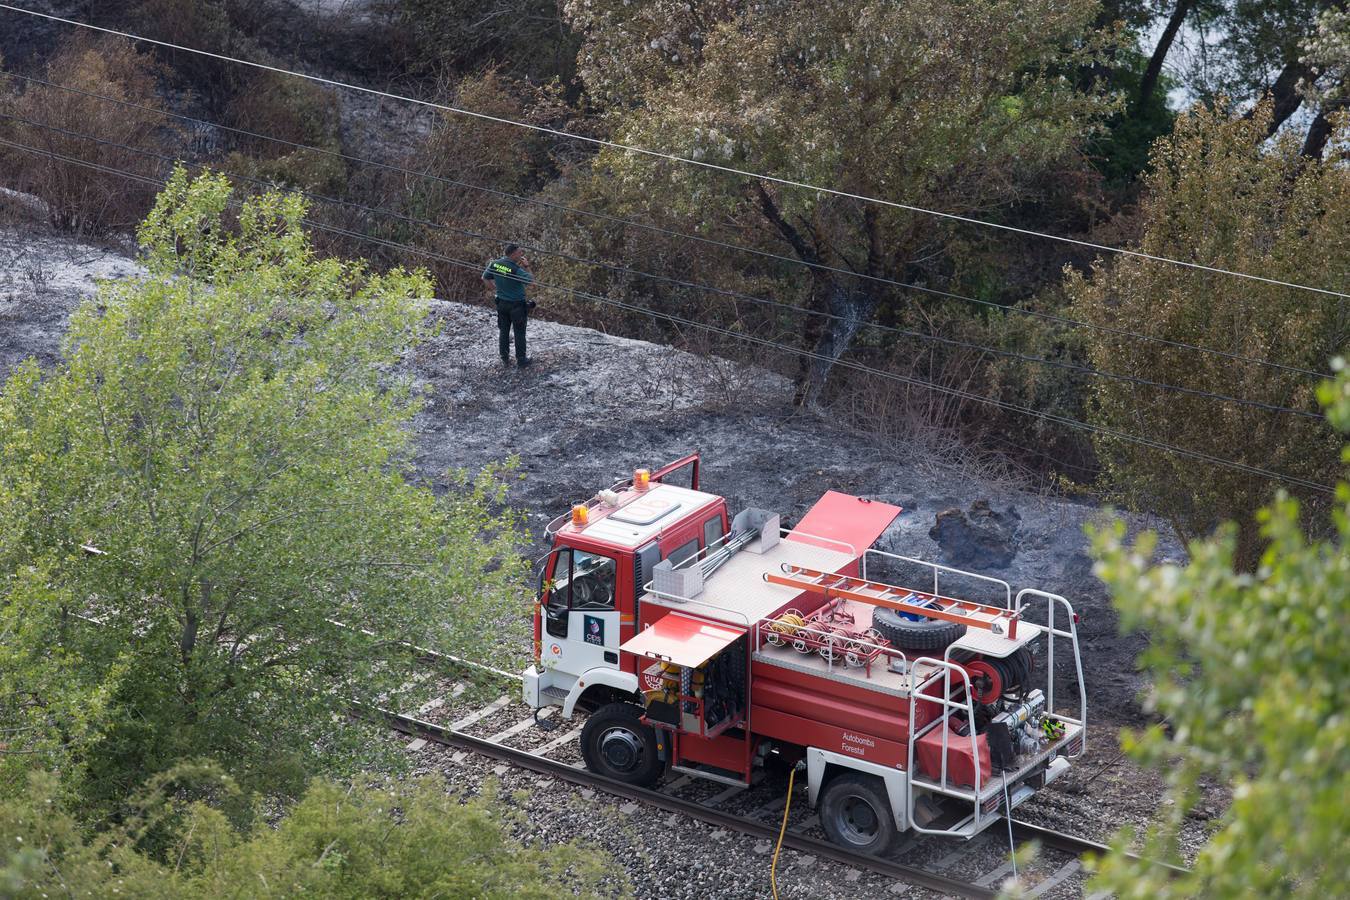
[709,774]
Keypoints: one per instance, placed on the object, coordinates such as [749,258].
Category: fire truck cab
[718,645]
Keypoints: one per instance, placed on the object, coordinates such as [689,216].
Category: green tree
[1218,197]
[1261,53]
[948,105]
[220,472]
[412,841]
[1250,670]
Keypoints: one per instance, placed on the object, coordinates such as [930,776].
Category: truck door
[581,620]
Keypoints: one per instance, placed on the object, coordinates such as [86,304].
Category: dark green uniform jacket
[510,279]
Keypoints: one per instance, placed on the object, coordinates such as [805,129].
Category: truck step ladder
[995,619]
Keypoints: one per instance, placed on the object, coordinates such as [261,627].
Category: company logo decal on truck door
[594,630]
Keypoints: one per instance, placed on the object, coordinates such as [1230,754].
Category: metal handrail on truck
[937,570]
[949,705]
[1072,745]
[1053,601]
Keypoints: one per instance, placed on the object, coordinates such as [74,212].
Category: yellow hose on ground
[787,805]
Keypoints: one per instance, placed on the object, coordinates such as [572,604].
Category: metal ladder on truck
[995,619]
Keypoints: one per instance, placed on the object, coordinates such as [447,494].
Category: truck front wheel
[615,743]
[856,813]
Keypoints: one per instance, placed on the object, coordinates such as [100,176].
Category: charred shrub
[471,155]
[296,111]
[525,38]
[208,25]
[80,199]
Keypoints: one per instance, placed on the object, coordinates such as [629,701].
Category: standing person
[507,277]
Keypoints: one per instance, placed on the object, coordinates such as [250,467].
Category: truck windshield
[584,580]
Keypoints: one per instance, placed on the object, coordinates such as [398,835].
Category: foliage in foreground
[1251,672]
[414,841]
[219,473]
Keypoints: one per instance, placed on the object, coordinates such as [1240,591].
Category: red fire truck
[716,645]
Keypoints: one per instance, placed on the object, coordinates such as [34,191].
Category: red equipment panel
[960,766]
[843,517]
[682,640]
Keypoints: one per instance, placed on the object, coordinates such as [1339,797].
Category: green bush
[1250,671]
[409,841]
[1218,195]
[231,431]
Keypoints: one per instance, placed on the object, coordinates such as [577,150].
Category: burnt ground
[595,406]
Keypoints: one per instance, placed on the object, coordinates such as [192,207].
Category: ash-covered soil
[595,406]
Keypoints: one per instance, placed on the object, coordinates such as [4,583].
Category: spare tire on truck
[915,634]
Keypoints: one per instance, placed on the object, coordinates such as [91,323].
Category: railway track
[1059,867]
[576,774]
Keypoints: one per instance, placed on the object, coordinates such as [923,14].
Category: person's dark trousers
[511,315]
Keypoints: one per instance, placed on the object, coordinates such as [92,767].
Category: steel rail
[1079,846]
[449,737]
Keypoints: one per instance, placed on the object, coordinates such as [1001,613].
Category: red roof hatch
[847,519]
[682,640]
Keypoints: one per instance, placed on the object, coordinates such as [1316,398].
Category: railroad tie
[500,703]
[558,742]
[1065,871]
[990,879]
[723,795]
[521,725]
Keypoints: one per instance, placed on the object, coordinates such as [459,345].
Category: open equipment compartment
[697,682]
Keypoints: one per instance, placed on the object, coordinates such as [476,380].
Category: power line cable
[1062,364]
[1062,320]
[672,157]
[892,376]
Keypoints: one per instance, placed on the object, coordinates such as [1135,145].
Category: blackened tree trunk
[839,303]
[851,309]
[1319,132]
[1284,94]
[1155,62]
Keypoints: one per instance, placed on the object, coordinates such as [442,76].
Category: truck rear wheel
[856,813]
[615,743]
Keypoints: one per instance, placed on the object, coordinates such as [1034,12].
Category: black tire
[911,634]
[615,743]
[856,813]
